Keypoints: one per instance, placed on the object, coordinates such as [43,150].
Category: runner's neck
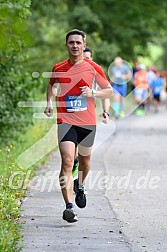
[75,60]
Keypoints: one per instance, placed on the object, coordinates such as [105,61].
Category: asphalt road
[127,197]
[136,163]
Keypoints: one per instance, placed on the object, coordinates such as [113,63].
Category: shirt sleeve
[100,77]
[52,78]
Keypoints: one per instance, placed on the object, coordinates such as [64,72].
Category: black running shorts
[83,135]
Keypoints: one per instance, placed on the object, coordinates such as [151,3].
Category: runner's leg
[67,151]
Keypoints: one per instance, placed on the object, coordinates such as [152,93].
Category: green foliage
[113,28]
[103,51]
[164,57]
[14,181]
[48,25]
[9,202]
[85,18]
[14,34]
[16,85]
[130,25]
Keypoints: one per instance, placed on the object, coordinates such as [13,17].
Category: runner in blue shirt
[120,73]
[156,86]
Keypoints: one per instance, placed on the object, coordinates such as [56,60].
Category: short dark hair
[88,49]
[76,32]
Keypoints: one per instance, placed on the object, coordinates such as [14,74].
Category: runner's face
[87,55]
[75,45]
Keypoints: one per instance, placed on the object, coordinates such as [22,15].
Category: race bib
[76,103]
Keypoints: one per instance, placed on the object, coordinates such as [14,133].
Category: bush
[15,85]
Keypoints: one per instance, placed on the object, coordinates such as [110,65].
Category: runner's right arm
[50,96]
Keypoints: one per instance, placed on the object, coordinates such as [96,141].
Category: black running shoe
[80,198]
[69,215]
[76,187]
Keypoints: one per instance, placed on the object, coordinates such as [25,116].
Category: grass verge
[13,186]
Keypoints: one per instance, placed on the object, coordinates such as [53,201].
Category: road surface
[127,194]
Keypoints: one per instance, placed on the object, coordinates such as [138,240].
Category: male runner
[76,118]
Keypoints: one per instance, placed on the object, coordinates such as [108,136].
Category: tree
[128,25]
[14,79]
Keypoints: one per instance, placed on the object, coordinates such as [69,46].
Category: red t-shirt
[72,107]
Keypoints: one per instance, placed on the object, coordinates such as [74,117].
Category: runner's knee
[67,162]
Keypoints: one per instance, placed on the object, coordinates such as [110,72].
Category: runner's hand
[48,111]
[105,117]
[86,91]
